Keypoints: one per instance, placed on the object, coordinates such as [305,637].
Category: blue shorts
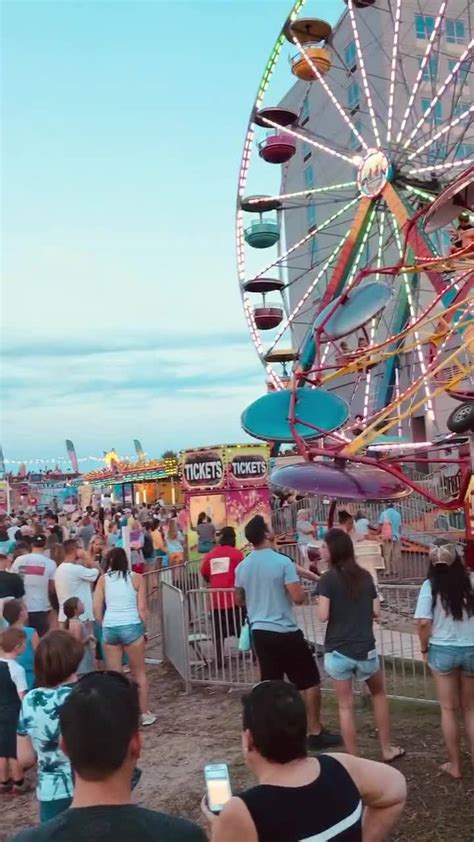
[341,668]
[122,635]
[446,659]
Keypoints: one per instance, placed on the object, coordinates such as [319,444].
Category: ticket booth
[229,483]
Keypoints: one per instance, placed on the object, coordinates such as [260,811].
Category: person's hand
[210,817]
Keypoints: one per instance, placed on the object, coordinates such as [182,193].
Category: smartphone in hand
[218,788]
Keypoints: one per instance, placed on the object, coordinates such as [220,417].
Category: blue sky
[123,124]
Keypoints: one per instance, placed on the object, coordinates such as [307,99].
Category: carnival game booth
[132,483]
[229,483]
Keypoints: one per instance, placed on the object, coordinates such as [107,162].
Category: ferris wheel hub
[375,170]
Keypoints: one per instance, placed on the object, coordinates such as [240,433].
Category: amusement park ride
[396,198]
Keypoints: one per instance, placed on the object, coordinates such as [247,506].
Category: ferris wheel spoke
[308,292]
[393,69]
[465,114]
[424,61]
[414,318]
[438,167]
[301,193]
[373,323]
[333,98]
[452,75]
[363,74]
[306,238]
[307,138]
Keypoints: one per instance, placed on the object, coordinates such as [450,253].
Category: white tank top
[121,604]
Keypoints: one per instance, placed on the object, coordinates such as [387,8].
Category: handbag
[244,639]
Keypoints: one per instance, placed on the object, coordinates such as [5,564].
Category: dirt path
[205,726]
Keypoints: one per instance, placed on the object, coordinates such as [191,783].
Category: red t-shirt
[219,567]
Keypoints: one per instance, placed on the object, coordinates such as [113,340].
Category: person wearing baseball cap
[37,572]
[445,618]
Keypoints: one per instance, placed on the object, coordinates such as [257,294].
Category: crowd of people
[70,602]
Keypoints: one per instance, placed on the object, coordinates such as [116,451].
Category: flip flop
[400,753]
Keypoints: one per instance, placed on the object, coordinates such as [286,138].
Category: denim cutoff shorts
[123,635]
[341,668]
[446,659]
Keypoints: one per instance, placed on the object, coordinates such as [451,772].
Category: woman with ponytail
[445,617]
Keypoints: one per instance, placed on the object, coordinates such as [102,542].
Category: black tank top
[329,808]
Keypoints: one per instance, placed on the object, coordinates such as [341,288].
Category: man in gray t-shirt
[268,584]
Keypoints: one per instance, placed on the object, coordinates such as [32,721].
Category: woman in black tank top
[299,798]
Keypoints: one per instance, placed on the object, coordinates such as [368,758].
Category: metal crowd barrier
[209,622]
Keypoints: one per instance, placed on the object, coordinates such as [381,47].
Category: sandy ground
[204,726]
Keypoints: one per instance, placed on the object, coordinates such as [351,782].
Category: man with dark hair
[100,722]
[74,577]
[37,572]
[11,585]
[333,796]
[268,584]
[218,569]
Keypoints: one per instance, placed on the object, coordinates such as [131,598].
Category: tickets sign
[227,467]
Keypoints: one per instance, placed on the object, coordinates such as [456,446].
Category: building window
[354,141]
[309,177]
[424,25]
[350,56]
[313,252]
[430,70]
[307,151]
[459,108]
[353,97]
[462,74]
[305,111]
[311,215]
[436,115]
[436,153]
[455,31]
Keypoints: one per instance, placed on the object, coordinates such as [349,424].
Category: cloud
[191,388]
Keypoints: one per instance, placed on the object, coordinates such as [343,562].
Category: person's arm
[233,824]
[324,604]
[88,574]
[25,753]
[306,574]
[139,585]
[376,610]
[383,791]
[75,629]
[424,617]
[88,560]
[206,569]
[292,582]
[35,640]
[98,600]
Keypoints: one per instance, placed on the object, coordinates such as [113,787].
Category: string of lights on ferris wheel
[393,69]
[373,323]
[432,139]
[446,166]
[363,74]
[300,194]
[421,69]
[324,84]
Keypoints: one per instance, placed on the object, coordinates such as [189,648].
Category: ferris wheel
[343,289]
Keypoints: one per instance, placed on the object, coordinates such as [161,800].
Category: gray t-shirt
[206,532]
[263,575]
[350,625]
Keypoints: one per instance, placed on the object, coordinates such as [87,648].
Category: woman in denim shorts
[122,594]
[349,602]
[445,615]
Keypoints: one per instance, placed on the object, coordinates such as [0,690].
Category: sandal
[399,752]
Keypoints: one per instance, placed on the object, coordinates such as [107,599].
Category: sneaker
[148,718]
[324,740]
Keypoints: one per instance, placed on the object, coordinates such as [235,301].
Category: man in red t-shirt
[218,569]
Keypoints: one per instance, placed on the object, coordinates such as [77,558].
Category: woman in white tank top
[120,607]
